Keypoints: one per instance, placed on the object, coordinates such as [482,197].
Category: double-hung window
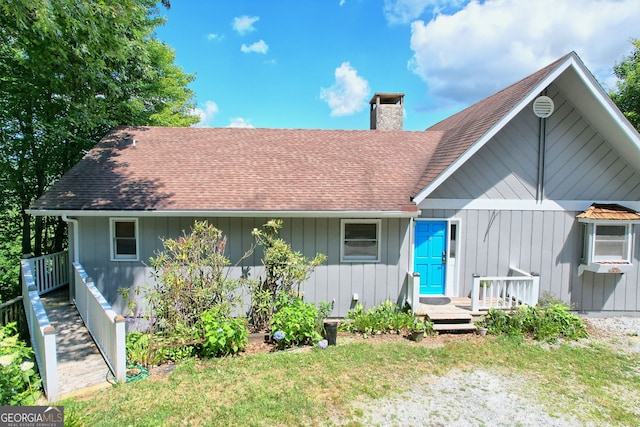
[124,239]
[360,240]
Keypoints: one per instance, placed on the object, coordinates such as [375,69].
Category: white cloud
[244,24]
[405,11]
[239,122]
[257,47]
[213,36]
[206,114]
[484,47]
[342,2]
[348,94]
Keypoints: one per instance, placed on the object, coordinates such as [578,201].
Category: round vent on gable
[543,107]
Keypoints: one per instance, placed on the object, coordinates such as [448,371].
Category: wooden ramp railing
[43,335]
[105,326]
[50,271]
[505,292]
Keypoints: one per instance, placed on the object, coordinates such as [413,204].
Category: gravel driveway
[482,397]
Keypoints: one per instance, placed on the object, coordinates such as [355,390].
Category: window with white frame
[360,240]
[606,247]
[124,239]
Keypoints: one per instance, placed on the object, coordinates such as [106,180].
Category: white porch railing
[105,326]
[43,335]
[505,292]
[50,271]
[413,290]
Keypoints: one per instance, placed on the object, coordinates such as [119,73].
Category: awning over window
[607,212]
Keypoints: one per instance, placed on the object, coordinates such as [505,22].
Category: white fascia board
[245,214]
[492,131]
[520,205]
[606,102]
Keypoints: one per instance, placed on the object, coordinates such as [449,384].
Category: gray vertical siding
[547,243]
[579,165]
[373,282]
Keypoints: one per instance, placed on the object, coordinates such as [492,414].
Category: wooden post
[415,290]
[535,289]
[121,351]
[51,363]
[475,294]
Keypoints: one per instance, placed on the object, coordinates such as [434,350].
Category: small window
[610,243]
[124,239]
[360,240]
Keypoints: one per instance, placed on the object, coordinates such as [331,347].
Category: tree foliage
[70,71]
[627,92]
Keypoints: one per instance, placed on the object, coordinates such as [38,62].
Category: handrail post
[535,289]
[121,353]
[415,291]
[51,363]
[475,293]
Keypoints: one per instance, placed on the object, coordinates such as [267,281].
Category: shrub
[285,270]
[223,335]
[19,381]
[384,318]
[297,320]
[548,322]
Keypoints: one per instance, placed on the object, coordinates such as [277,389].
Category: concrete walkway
[80,364]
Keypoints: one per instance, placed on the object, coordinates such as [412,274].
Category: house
[543,177]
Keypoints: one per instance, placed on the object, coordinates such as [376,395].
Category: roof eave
[402,213]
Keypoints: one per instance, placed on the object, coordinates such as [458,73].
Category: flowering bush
[223,335]
[19,382]
[296,320]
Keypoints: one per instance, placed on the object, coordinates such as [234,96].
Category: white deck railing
[105,326]
[43,335]
[50,271]
[504,292]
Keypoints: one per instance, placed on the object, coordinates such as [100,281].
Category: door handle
[444,257]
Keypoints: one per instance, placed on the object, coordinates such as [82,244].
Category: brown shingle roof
[231,169]
[608,212]
[463,129]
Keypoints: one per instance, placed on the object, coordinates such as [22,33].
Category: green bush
[547,322]
[297,320]
[223,335]
[384,318]
[19,381]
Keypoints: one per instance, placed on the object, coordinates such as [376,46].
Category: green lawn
[589,381]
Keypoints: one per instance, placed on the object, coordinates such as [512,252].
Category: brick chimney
[387,111]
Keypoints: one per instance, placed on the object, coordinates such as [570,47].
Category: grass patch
[314,387]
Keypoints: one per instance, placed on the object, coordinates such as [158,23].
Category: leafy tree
[627,92]
[70,71]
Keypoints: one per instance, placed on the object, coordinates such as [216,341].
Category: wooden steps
[448,318]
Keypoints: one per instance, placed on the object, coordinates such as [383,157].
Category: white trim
[520,205]
[209,213]
[112,237]
[533,93]
[378,223]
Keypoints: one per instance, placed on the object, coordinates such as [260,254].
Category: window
[360,240]
[124,239]
[610,243]
[606,247]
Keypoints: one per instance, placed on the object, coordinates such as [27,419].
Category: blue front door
[430,256]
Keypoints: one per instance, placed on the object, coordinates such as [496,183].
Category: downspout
[76,257]
[76,239]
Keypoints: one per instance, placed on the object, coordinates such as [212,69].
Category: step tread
[454,327]
[449,316]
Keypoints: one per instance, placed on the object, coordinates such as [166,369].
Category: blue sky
[317,63]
